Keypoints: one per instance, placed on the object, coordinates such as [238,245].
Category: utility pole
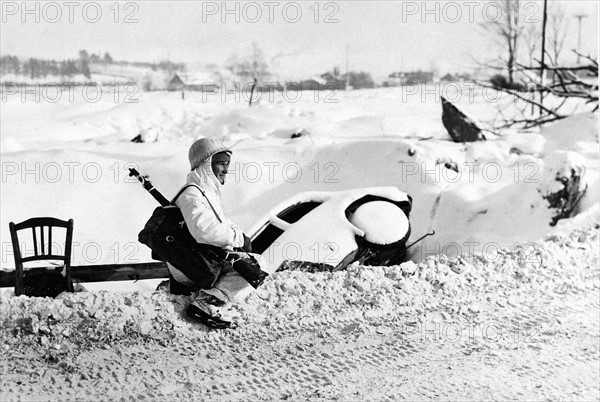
[579,17]
[169,68]
[347,68]
[543,67]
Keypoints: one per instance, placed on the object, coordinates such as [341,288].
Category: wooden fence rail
[101,273]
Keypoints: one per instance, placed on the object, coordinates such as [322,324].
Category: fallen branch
[523,98]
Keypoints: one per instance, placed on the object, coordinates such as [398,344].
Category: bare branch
[594,61]
[580,68]
[521,97]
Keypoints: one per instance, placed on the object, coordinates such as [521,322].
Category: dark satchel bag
[170,240]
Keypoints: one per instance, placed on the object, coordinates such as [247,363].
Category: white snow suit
[206,228]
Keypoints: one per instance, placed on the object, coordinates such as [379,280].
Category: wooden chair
[44,252]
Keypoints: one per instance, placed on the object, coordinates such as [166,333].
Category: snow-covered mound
[475,196]
[447,287]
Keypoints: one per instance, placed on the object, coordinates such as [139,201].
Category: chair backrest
[45,250]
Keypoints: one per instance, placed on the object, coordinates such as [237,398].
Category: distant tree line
[41,68]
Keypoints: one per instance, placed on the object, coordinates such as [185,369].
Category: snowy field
[70,159]
[361,334]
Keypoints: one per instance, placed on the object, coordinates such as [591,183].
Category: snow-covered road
[442,329]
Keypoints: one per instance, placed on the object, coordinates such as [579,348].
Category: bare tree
[531,41]
[513,36]
[567,85]
[251,66]
[558,26]
[275,60]
[507,31]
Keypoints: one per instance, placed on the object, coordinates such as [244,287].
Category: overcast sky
[381,36]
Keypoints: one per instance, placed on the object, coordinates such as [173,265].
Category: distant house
[269,87]
[175,84]
[456,78]
[192,82]
[410,78]
[448,78]
[325,81]
[329,77]
[311,84]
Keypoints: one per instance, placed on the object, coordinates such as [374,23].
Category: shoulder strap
[181,191]
[202,192]
[213,209]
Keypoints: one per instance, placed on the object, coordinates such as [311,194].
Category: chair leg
[68,279]
[18,280]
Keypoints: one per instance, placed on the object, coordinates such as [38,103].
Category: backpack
[170,240]
[167,235]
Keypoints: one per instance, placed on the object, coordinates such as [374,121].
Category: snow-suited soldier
[203,210]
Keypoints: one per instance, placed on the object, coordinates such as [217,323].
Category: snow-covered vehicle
[369,225]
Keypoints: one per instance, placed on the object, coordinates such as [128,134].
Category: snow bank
[487,192]
[454,287]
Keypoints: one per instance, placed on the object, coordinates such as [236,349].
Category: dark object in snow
[42,283]
[137,139]
[300,133]
[460,127]
[566,199]
[411,152]
[451,166]
[252,92]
